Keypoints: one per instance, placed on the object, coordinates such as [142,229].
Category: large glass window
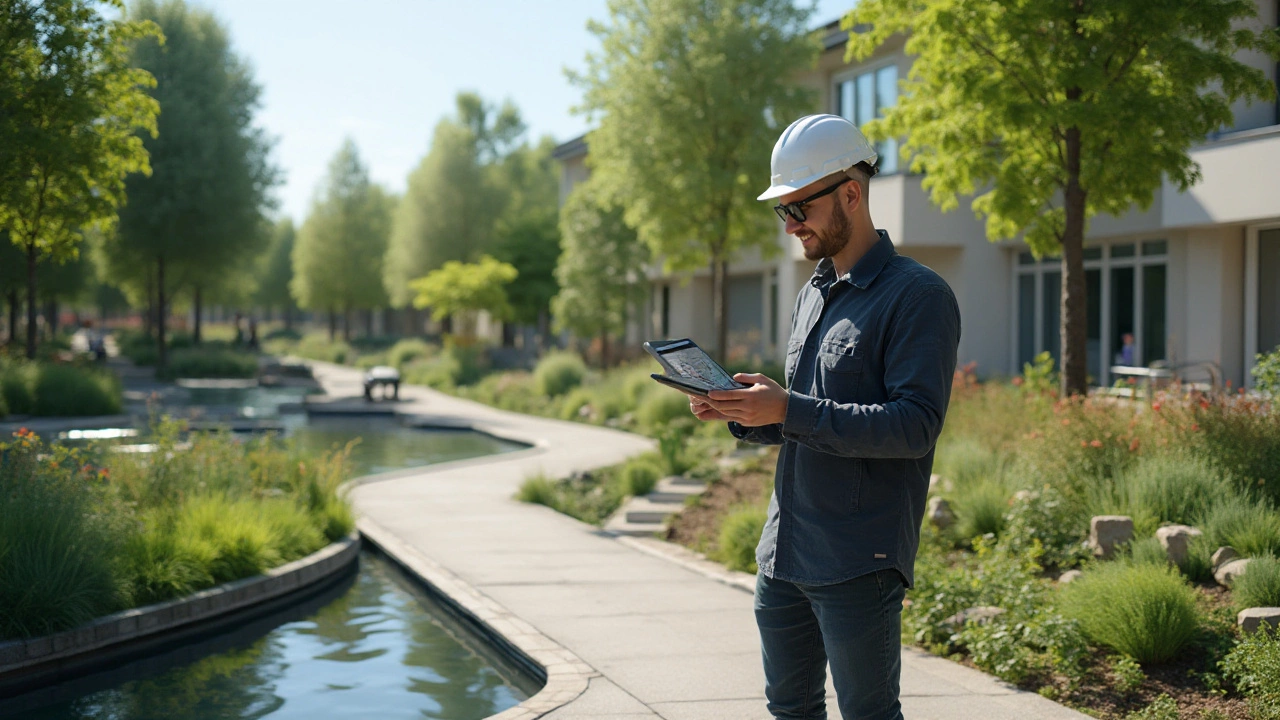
[1125,306]
[864,97]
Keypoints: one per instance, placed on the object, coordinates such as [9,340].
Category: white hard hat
[814,147]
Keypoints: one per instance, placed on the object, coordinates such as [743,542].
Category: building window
[863,97]
[1126,306]
[1268,290]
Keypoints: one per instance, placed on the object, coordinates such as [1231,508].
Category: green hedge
[57,390]
[209,362]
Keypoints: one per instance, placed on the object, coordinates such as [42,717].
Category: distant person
[869,368]
[1127,350]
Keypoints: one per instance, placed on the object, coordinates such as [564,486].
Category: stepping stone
[643,510]
[668,491]
[617,525]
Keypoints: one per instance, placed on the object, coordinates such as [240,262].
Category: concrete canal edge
[564,674]
[39,661]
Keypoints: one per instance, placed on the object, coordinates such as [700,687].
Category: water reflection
[386,445]
[379,650]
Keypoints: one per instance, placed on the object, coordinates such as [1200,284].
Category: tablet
[688,368]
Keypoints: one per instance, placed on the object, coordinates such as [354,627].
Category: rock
[1176,540]
[934,481]
[940,513]
[1069,575]
[1222,556]
[1106,532]
[982,614]
[1251,620]
[1232,569]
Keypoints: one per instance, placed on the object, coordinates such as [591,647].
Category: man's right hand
[702,410]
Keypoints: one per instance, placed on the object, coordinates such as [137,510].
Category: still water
[374,647]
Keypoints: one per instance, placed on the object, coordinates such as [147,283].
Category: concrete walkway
[650,637]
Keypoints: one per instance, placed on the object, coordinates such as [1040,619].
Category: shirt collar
[865,271]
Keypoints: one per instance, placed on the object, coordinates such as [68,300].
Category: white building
[1195,278]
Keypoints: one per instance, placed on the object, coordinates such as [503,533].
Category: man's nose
[793,225]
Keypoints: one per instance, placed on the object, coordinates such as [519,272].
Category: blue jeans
[855,625]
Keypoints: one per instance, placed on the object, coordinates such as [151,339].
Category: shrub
[407,351]
[1162,708]
[1254,666]
[965,462]
[739,535]
[319,347]
[559,372]
[639,476]
[1043,522]
[980,509]
[159,565]
[1147,551]
[1145,611]
[1266,373]
[57,543]
[17,384]
[539,490]
[572,404]
[65,390]
[1249,526]
[671,448]
[1128,673]
[1259,586]
[1198,564]
[243,545]
[658,409]
[1241,436]
[209,362]
[1159,489]
[4,407]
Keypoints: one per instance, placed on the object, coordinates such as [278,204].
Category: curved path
[627,630]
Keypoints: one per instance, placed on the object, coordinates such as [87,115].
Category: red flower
[1194,427]
[1155,406]
[1095,443]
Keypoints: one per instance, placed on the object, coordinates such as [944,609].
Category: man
[869,367]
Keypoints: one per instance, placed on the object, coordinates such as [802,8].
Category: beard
[833,239]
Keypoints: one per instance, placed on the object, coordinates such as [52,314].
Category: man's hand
[764,403]
[702,410]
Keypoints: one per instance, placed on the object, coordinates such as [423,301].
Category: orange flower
[1155,406]
[1194,427]
[1066,422]
[1133,446]
[1095,443]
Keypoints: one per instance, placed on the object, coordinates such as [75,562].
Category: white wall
[1214,301]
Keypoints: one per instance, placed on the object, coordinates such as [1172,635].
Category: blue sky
[385,71]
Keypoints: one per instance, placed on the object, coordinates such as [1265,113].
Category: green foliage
[539,490]
[453,367]
[597,274]
[1249,526]
[1159,489]
[689,95]
[558,373]
[739,534]
[1254,666]
[526,235]
[1266,373]
[58,538]
[671,448]
[457,195]
[980,509]
[1042,523]
[52,390]
[1128,673]
[275,273]
[1198,563]
[409,350]
[75,113]
[1259,586]
[1147,551]
[337,260]
[459,288]
[17,384]
[1145,611]
[657,410]
[1038,376]
[639,476]
[1052,113]
[1162,708]
[209,362]
[1240,437]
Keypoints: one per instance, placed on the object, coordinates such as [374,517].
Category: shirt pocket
[842,356]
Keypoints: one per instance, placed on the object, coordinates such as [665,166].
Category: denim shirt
[869,369]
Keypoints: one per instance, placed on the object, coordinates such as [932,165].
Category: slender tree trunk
[346,324]
[14,304]
[1074,377]
[162,354]
[720,305]
[31,301]
[148,319]
[198,309]
[333,323]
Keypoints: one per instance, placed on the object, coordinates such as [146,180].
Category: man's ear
[853,195]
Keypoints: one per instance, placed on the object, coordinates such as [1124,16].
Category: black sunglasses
[796,209]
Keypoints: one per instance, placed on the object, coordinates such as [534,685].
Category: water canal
[376,646]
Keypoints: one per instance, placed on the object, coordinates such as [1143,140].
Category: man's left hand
[764,403]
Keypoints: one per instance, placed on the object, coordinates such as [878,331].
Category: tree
[689,94]
[451,205]
[464,289]
[200,216]
[601,268]
[275,273]
[337,261]
[527,235]
[70,108]
[1058,110]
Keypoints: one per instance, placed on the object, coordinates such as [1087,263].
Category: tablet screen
[691,362]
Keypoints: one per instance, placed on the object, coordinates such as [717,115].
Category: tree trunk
[368,322]
[161,354]
[720,305]
[51,317]
[149,318]
[288,317]
[195,324]
[346,324]
[604,350]
[333,324]
[1074,375]
[31,301]
[13,317]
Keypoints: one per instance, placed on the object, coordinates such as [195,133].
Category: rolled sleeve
[920,360]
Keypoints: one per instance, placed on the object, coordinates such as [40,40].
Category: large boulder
[1107,532]
[1232,569]
[1251,620]
[1222,556]
[1176,540]
[940,513]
